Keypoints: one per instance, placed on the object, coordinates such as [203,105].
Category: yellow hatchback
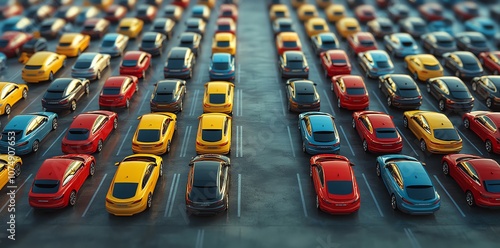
[132,188]
[307,11]
[278,11]
[316,25]
[130,27]
[154,133]
[335,12]
[10,94]
[10,167]
[72,44]
[224,43]
[214,134]
[219,97]
[423,66]
[347,26]
[42,66]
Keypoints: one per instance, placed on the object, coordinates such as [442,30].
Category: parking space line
[184,141]
[329,102]
[11,79]
[449,196]
[93,196]
[463,135]
[28,213]
[239,195]
[32,101]
[282,103]
[173,196]
[404,137]
[53,143]
[429,102]
[237,137]
[239,72]
[91,101]
[239,141]
[347,140]
[302,195]
[413,240]
[123,141]
[373,195]
[143,101]
[291,141]
[381,104]
[193,105]
[199,238]
[239,102]
[17,189]
[169,199]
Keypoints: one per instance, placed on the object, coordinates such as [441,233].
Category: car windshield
[386,28]
[164,97]
[435,67]
[420,192]
[64,44]
[217,98]
[386,133]
[220,66]
[407,43]
[108,43]
[54,94]
[328,42]
[129,63]
[446,134]
[318,27]
[324,136]
[409,93]
[308,13]
[46,27]
[419,28]
[211,135]
[82,64]
[110,91]
[78,134]
[224,27]
[478,44]
[446,43]
[148,43]
[355,91]
[175,63]
[124,190]
[148,135]
[289,44]
[294,64]
[4,43]
[383,64]
[286,26]
[366,43]
[45,186]
[186,42]
[461,94]
[352,28]
[88,28]
[471,66]
[32,67]
[124,27]
[339,62]
[488,26]
[305,97]
[223,43]
[492,186]
[339,187]
[279,14]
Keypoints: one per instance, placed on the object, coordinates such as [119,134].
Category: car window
[147,175]
[341,85]
[366,123]
[487,122]
[7,90]
[221,177]
[165,126]
[72,170]
[467,168]
[143,60]
[442,87]
[308,125]
[396,175]
[488,84]
[226,126]
[127,85]
[422,123]
[99,123]
[35,124]
[320,175]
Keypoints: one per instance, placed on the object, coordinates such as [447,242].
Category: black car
[438,43]
[283,25]
[398,11]
[192,41]
[471,41]
[207,189]
[293,64]
[463,64]
[415,26]
[451,93]
[164,26]
[196,25]
[180,63]
[302,95]
[153,43]
[324,41]
[354,3]
[34,45]
[401,91]
[64,93]
[488,89]
[380,27]
[168,96]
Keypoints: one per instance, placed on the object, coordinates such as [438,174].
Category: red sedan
[351,92]
[491,60]
[225,25]
[466,10]
[182,3]
[10,11]
[431,11]
[383,3]
[135,63]
[365,13]
[377,131]
[335,62]
[117,91]
[115,13]
[485,124]
[478,177]
[362,42]
[11,42]
[146,12]
[88,131]
[336,188]
[59,180]
[228,11]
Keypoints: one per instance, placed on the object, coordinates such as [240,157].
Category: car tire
[17,170]
[127,103]
[35,146]
[469,198]
[7,109]
[72,107]
[150,201]
[365,145]
[377,170]
[474,86]
[446,168]
[488,145]
[394,202]
[92,169]
[54,124]
[488,102]
[466,123]
[405,122]
[99,146]
[353,123]
[115,124]
[72,198]
[423,145]
[441,105]
[25,93]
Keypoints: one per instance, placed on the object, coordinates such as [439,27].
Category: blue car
[408,184]
[3,61]
[319,133]
[27,131]
[445,25]
[401,44]
[375,63]
[18,23]
[483,25]
[222,67]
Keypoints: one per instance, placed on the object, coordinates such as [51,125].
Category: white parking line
[240,139]
[193,104]
[448,194]
[169,199]
[282,103]
[329,102]
[53,143]
[239,195]
[123,141]
[413,240]
[463,136]
[239,102]
[11,79]
[145,97]
[28,213]
[404,137]
[199,238]
[91,101]
[347,140]
[291,141]
[17,189]
[173,196]
[373,196]
[239,73]
[184,141]
[32,101]
[381,103]
[302,195]
[93,196]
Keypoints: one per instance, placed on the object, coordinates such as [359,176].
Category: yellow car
[132,188]
[214,134]
[224,43]
[347,26]
[72,44]
[307,11]
[209,3]
[9,163]
[130,26]
[101,4]
[323,3]
[335,12]
[434,131]
[279,11]
[298,3]
[316,26]
[218,97]
[423,66]
[42,66]
[10,94]
[154,133]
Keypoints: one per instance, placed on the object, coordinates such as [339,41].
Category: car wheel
[17,169]
[99,146]
[338,103]
[428,87]
[92,169]
[7,109]
[127,103]
[317,201]
[72,198]
[353,123]
[115,124]
[423,145]
[98,75]
[488,146]
[87,89]
[441,105]
[35,146]
[365,146]
[54,124]
[73,106]
[377,169]
[415,76]
[161,169]
[150,201]
[25,94]
[394,202]
[488,102]
[389,101]
[466,123]
[446,168]
[405,122]
[469,198]
[167,150]
[474,86]
[51,76]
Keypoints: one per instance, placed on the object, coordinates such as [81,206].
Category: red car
[477,176]
[466,10]
[225,25]
[365,13]
[88,131]
[11,42]
[10,11]
[135,63]
[228,11]
[377,131]
[335,62]
[336,188]
[485,124]
[288,41]
[146,12]
[59,180]
[362,42]
[384,3]
[182,3]
[351,92]
[491,60]
[115,13]
[117,91]
[431,11]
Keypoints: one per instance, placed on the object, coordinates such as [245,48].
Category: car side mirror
[423,163]
[138,118]
[190,164]
[117,163]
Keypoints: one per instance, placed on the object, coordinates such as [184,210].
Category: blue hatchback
[319,133]
[222,67]
[483,25]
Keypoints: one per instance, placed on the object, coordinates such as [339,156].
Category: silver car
[90,65]
[113,44]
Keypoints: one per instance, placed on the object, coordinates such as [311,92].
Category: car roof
[217,87]
[427,59]
[488,169]
[212,120]
[60,83]
[87,57]
[380,120]
[204,171]
[53,168]
[19,122]
[151,121]
[403,81]
[111,36]
[132,55]
[353,81]
[221,57]
[338,170]
[466,56]
[454,83]
[149,35]
[472,35]
[167,85]
[321,123]
[435,119]
[304,86]
[69,37]
[178,52]
[224,21]
[294,55]
[378,55]
[223,36]
[128,21]
[188,36]
[84,120]
[115,81]
[413,173]
[289,36]
[130,171]
[403,36]
[442,36]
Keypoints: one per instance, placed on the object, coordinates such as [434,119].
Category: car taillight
[109,201]
[22,143]
[436,201]
[223,144]
[159,144]
[306,69]
[134,202]
[185,69]
[311,144]
[58,198]
[64,101]
[41,72]
[419,97]
[424,71]
[484,196]
[153,103]
[397,97]
[449,101]
[286,69]
[406,201]
[198,143]
[227,105]
[166,69]
[43,100]
[346,98]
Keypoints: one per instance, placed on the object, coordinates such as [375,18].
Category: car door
[10,97]
[100,64]
[466,176]
[167,130]
[80,175]
[365,128]
[319,180]
[437,88]
[128,88]
[78,90]
[387,86]
[39,128]
[484,87]
[484,127]
[290,92]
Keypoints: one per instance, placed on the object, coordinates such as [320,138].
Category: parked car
[377,132]
[451,94]
[487,88]
[64,93]
[168,96]
[90,65]
[401,91]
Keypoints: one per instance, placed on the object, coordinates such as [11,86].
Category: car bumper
[117,210]
[205,210]
[404,53]
[153,52]
[137,73]
[215,109]
[112,104]
[222,76]
[165,108]
[289,74]
[332,73]
[443,149]
[488,203]
[87,75]
[470,74]
[48,204]
[326,149]
[20,150]
[34,79]
[407,104]
[432,74]
[213,149]
[376,74]
[331,208]
[418,210]
[111,52]
[181,74]
[460,107]
[150,149]
[56,106]
[79,149]
[224,50]
[354,105]
[304,108]
[68,53]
